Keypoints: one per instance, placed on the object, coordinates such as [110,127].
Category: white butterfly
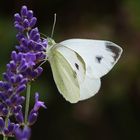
[78,64]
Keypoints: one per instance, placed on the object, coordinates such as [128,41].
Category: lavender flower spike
[23,68]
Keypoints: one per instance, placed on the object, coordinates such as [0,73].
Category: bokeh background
[113,113]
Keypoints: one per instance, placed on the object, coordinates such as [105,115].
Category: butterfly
[78,65]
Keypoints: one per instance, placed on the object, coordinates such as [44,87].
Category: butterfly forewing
[99,56]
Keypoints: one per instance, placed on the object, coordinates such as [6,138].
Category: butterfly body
[78,64]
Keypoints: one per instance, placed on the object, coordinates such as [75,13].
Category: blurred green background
[113,113]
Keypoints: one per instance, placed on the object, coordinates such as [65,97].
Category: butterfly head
[51,43]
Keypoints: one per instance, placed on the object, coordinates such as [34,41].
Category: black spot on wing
[77,66]
[114,49]
[99,58]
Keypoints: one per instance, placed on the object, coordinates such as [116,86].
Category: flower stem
[5,138]
[6,124]
[27,102]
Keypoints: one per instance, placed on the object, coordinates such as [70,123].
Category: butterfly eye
[99,58]
[77,66]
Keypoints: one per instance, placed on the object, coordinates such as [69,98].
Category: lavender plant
[23,68]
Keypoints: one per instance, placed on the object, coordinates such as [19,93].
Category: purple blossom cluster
[22,69]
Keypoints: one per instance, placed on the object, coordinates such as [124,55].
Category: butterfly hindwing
[65,77]
[75,61]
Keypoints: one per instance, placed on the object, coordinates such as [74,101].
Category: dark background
[113,113]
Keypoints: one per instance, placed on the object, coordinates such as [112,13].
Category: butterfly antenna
[42,63]
[43,35]
[54,23]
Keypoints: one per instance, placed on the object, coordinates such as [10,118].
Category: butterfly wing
[87,86]
[64,75]
[99,56]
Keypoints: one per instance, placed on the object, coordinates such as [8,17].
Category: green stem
[27,102]
[6,125]
[5,138]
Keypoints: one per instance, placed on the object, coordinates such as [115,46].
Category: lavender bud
[38,47]
[21,100]
[31,44]
[19,36]
[8,102]
[17,108]
[17,126]
[11,127]
[6,131]
[33,32]
[12,79]
[1,84]
[26,23]
[17,17]
[23,67]
[33,74]
[32,118]
[2,97]
[23,61]
[14,99]
[8,66]
[30,14]
[19,27]
[23,81]
[19,78]
[21,88]
[2,124]
[23,134]
[24,11]
[4,111]
[45,43]
[19,48]
[19,118]
[5,76]
[30,57]
[12,65]
[39,70]
[33,22]
[6,85]
[10,91]
[36,37]
[14,55]
[1,106]
[19,56]
[40,56]
[24,42]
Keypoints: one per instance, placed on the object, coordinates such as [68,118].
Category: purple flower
[22,69]
[19,117]
[23,134]
[38,103]
[24,20]
[32,118]
[34,112]
[7,130]
[2,124]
